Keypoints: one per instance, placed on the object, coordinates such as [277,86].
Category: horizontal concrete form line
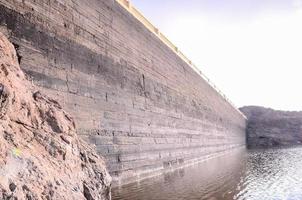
[140,17]
[160,170]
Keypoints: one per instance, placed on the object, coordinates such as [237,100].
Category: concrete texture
[141,105]
[270,128]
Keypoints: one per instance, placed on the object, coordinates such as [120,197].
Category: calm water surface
[246,174]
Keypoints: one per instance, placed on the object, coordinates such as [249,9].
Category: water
[274,174]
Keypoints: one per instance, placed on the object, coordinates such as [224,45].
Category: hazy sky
[251,49]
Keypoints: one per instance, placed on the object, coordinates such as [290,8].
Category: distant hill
[268,128]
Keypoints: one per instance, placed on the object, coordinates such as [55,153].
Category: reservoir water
[272,174]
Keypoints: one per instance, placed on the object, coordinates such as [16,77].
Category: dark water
[274,174]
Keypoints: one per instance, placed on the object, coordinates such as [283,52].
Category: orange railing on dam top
[139,16]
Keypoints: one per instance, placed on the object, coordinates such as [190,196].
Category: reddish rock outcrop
[41,156]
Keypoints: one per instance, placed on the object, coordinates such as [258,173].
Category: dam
[134,96]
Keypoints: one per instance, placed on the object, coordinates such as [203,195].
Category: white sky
[253,53]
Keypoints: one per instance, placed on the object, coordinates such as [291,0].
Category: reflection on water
[244,174]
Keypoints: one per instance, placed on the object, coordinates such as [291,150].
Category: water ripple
[242,175]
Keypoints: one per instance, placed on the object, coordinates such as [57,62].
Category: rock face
[268,128]
[41,156]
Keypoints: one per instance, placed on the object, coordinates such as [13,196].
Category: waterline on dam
[241,174]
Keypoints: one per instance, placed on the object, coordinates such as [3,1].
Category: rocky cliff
[267,127]
[41,156]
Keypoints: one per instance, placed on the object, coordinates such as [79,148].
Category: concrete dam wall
[143,106]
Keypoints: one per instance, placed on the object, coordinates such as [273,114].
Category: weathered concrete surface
[268,128]
[143,107]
